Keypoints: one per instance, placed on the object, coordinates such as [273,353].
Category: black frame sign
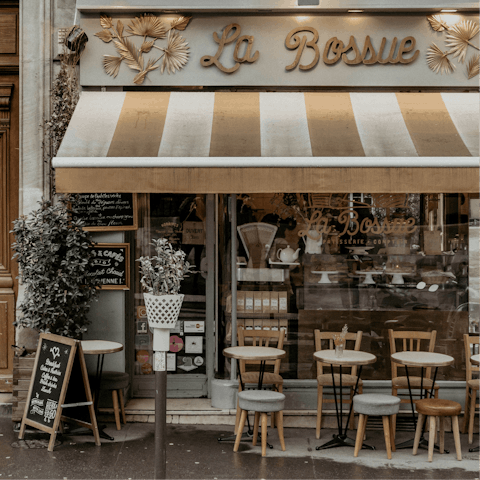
[59,381]
[112,265]
[107,211]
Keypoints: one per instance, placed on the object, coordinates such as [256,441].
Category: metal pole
[160,471]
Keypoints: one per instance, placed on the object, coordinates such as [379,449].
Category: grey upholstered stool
[261,402]
[376,404]
[433,408]
[116,382]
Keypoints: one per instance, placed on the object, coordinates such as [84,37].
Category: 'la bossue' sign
[112,265]
[107,211]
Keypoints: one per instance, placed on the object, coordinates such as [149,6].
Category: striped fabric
[201,124]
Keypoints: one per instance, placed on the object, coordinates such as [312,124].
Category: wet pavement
[193,452]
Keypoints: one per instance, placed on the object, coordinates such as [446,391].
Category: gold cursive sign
[349,218]
[230,34]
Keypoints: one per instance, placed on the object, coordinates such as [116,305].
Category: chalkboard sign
[59,363]
[112,265]
[107,211]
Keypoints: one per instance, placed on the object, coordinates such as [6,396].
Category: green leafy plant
[55,259]
[162,273]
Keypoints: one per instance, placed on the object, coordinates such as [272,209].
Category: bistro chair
[249,369]
[472,387]
[349,378]
[403,341]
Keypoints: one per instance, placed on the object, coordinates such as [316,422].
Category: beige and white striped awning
[271,142]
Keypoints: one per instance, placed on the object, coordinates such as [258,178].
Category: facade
[314,167]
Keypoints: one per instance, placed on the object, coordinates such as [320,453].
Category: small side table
[349,357]
[100,348]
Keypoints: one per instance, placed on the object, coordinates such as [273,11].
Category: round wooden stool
[433,408]
[376,404]
[261,402]
[116,382]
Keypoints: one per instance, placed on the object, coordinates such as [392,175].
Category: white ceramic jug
[313,242]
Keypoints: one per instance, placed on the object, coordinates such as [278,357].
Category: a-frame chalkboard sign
[59,381]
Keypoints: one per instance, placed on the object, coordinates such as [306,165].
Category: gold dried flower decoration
[148,26]
[458,40]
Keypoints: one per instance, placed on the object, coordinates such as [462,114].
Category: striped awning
[258,141]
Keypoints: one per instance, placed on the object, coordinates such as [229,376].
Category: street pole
[160,453]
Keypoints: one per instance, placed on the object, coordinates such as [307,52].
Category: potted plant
[55,259]
[162,275]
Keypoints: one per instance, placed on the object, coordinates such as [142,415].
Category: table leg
[341,440]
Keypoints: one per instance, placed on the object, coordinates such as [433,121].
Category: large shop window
[180,219]
[370,261]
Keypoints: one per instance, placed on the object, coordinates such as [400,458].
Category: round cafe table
[475,359]
[422,360]
[348,358]
[100,348]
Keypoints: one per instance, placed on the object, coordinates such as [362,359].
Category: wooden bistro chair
[472,387]
[349,379]
[413,341]
[250,369]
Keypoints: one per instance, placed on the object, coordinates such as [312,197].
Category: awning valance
[229,142]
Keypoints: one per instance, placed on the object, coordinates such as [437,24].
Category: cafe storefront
[318,168]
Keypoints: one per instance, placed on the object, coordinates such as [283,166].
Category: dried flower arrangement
[340,338]
[459,38]
[174,57]
[163,272]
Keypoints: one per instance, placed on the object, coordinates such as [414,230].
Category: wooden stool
[116,382]
[375,404]
[261,402]
[433,408]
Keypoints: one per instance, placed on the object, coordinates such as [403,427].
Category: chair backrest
[260,338]
[352,342]
[471,348]
[410,341]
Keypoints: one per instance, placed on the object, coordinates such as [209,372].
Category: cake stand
[324,275]
[369,275]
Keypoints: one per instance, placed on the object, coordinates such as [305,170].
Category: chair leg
[386,433]
[255,428]
[279,416]
[431,437]
[362,423]
[122,406]
[241,424]
[418,433]
[115,409]
[467,411]
[392,438]
[264,433]
[442,434]
[456,435]
[473,400]
[394,417]
[319,410]
[238,414]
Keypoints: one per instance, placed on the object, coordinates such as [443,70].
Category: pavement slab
[194,452]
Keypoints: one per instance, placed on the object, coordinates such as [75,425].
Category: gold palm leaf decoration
[180,23]
[147,26]
[459,36]
[438,61]
[105,35]
[112,64]
[130,54]
[106,21]
[175,56]
[140,77]
[147,46]
[437,23]
[473,66]
[120,28]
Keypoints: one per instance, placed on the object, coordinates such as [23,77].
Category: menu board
[48,381]
[59,363]
[107,211]
[112,265]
